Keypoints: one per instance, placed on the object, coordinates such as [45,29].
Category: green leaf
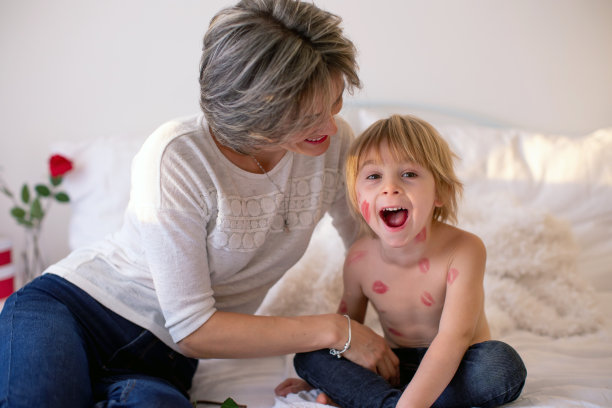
[25,194]
[229,403]
[55,181]
[42,190]
[25,222]
[18,212]
[36,210]
[62,197]
[6,191]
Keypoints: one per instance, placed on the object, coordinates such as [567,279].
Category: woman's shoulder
[173,130]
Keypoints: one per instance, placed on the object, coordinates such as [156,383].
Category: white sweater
[200,234]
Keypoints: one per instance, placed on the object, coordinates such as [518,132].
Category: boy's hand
[371,351]
[291,386]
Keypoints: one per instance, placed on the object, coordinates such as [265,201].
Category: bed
[542,204]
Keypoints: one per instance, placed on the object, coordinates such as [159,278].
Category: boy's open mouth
[394,216]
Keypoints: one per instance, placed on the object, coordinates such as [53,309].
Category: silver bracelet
[347,346]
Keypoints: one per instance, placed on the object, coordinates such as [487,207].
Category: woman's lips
[317,140]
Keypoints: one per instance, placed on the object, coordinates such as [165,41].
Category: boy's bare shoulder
[365,242]
[461,240]
[359,252]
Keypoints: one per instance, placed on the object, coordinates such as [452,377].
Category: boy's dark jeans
[490,374]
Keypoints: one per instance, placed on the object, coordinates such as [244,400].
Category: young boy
[423,276]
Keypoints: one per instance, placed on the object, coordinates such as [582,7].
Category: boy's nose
[390,188]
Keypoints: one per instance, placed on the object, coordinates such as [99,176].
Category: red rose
[59,165]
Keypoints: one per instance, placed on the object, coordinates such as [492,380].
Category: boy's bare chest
[409,300]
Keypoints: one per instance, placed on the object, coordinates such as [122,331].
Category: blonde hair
[267,68]
[408,138]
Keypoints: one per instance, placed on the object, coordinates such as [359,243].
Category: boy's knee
[508,359]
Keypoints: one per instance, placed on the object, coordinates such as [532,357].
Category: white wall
[78,69]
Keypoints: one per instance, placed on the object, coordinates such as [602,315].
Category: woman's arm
[463,307]
[236,335]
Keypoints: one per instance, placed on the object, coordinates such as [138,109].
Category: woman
[222,204]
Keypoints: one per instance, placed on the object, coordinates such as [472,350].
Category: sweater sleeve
[171,207]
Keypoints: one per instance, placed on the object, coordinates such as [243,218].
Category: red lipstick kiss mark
[355,256]
[452,275]
[365,210]
[394,332]
[427,299]
[342,308]
[421,236]
[379,287]
[424,265]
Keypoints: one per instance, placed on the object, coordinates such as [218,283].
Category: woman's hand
[371,351]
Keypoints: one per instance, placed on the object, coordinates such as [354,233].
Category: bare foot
[322,398]
[291,386]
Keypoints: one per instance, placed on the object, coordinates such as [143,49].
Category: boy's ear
[438,202]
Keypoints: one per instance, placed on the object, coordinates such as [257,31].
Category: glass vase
[31,256]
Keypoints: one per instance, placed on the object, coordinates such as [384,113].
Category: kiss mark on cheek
[427,299]
[394,332]
[379,287]
[452,275]
[424,265]
[355,256]
[365,210]
[421,236]
[342,308]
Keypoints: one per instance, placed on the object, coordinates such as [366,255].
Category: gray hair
[267,68]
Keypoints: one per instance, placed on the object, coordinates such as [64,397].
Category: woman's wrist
[347,345]
[340,332]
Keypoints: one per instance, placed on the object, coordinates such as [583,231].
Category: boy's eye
[409,174]
[372,177]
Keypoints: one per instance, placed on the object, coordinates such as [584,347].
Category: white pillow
[568,177]
[98,185]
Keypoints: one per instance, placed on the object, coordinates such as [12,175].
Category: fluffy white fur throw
[531,280]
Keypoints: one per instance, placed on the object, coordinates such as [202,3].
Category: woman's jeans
[490,374]
[61,348]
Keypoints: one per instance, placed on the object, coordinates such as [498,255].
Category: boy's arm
[461,313]
[354,303]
